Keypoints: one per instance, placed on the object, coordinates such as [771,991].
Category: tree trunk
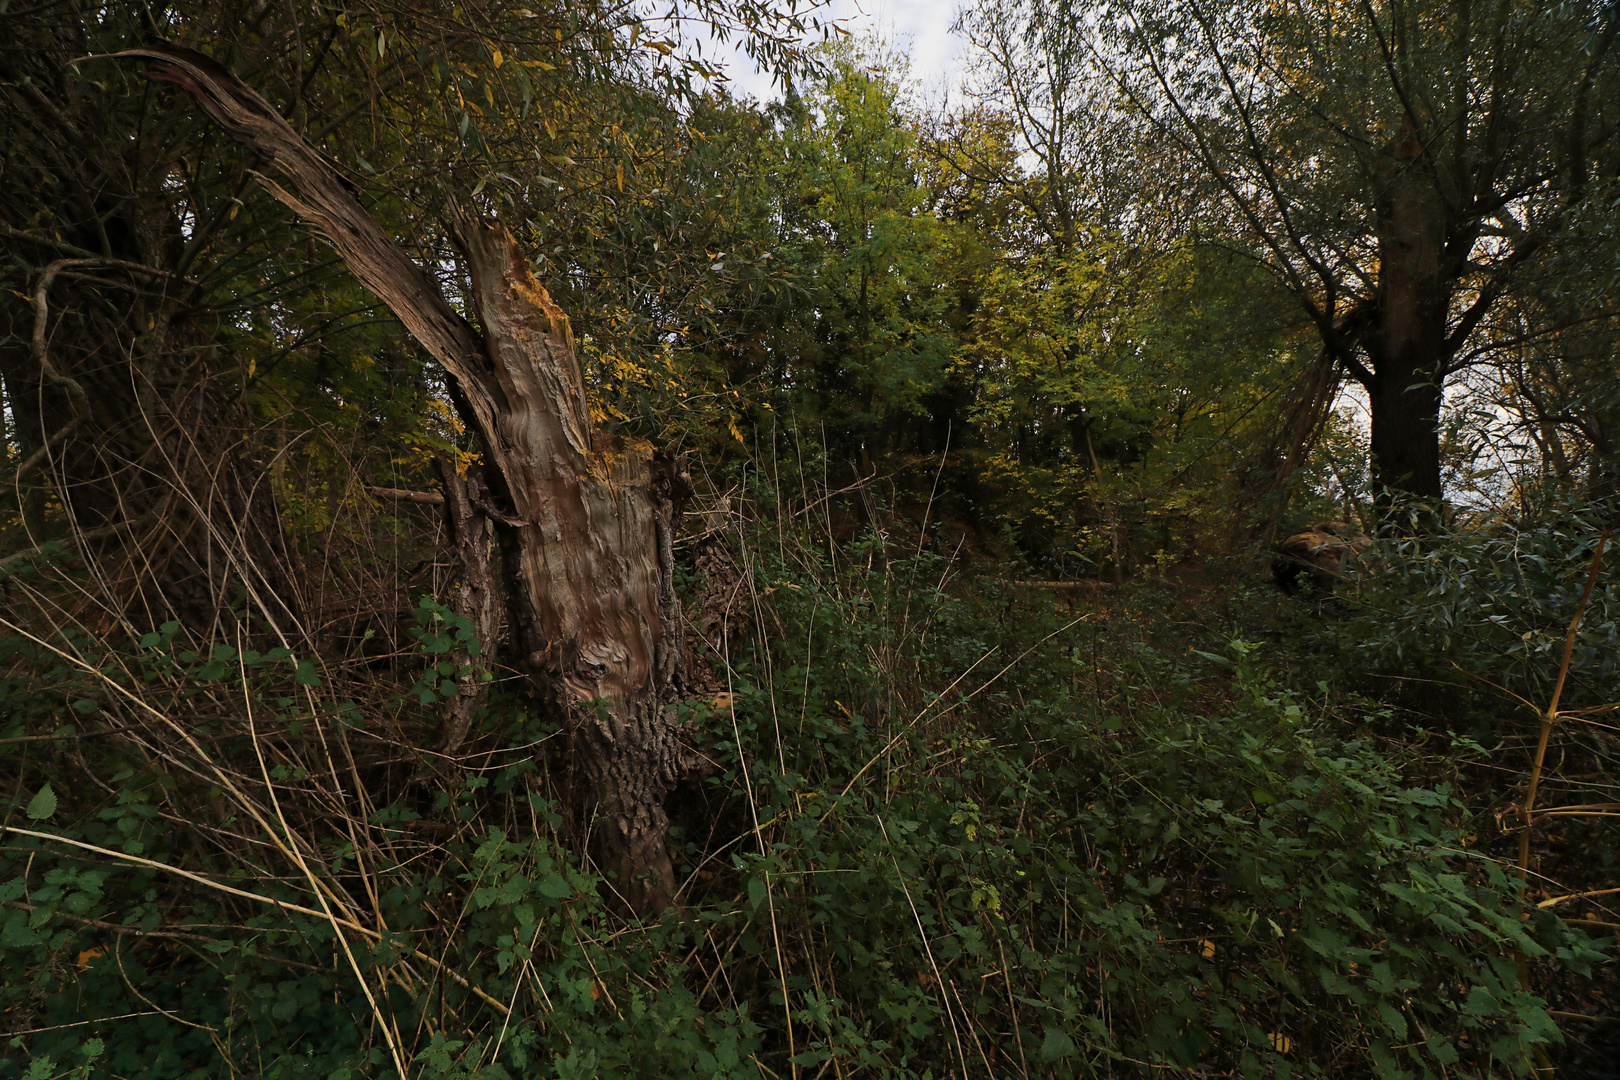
[475,597]
[1407,341]
[593,566]
[591,515]
[1405,435]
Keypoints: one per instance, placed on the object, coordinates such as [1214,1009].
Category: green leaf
[1393,1020]
[1056,1044]
[42,805]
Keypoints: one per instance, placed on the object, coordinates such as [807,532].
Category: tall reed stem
[1550,717]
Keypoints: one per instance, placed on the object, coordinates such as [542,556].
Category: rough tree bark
[591,514]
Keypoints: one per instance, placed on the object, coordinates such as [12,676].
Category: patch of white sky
[918,29]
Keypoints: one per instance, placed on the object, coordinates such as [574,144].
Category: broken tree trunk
[590,514]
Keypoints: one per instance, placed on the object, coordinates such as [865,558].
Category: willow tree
[1400,166]
[150,287]
[592,514]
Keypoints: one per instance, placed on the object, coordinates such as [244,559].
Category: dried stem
[1543,1065]
[1550,716]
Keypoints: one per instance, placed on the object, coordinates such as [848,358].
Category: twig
[66,735]
[114,928]
[82,1023]
[1583,1016]
[1550,717]
[426,498]
[42,317]
[1575,896]
[10,563]
[32,461]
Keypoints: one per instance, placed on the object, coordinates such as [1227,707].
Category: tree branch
[325,199]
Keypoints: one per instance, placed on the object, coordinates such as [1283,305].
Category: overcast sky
[918,28]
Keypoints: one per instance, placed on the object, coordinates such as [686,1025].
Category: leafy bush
[1492,600]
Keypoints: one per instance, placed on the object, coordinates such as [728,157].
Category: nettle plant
[450,644]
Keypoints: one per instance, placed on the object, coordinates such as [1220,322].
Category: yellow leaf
[495,57]
[89,955]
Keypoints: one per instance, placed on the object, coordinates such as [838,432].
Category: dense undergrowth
[956,827]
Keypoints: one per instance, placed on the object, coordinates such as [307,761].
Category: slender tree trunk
[591,514]
[475,597]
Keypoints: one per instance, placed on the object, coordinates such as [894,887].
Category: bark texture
[590,516]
